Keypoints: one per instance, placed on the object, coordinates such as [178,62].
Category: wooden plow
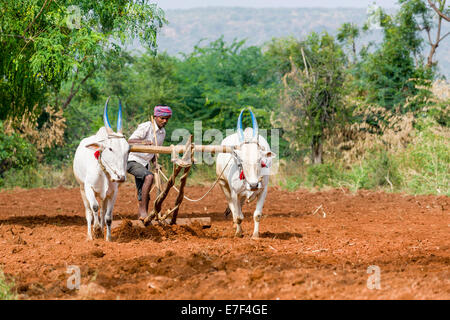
[183,163]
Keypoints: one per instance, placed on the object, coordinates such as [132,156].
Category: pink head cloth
[162,111]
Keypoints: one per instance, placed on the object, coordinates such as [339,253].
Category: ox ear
[268,154]
[95,146]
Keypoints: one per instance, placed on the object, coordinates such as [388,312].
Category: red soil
[300,255]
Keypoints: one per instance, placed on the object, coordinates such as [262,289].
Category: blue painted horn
[254,124]
[105,117]
[239,127]
[119,118]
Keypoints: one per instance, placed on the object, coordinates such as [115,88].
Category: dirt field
[301,255]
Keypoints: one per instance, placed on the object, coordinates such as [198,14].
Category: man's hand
[157,166]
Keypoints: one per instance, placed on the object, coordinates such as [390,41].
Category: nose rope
[100,162]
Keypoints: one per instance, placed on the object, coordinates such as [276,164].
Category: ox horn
[119,118]
[105,118]
[239,127]
[254,124]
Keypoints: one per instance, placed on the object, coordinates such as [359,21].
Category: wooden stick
[157,175]
[180,148]
[160,199]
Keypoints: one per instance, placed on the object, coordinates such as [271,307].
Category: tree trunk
[316,150]
[431,54]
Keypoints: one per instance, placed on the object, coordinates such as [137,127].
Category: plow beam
[179,149]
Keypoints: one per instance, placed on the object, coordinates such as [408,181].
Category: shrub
[425,164]
[380,170]
[322,175]
[6,288]
[15,152]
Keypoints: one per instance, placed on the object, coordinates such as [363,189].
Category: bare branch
[438,11]
[444,36]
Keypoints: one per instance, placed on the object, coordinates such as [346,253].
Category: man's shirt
[145,132]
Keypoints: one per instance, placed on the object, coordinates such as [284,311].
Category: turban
[162,111]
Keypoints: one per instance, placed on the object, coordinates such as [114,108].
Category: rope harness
[98,156]
[195,200]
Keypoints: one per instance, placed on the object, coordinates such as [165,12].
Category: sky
[186,4]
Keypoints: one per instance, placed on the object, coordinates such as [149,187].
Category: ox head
[250,157]
[112,147]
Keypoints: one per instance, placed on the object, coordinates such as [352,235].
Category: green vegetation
[6,288]
[351,115]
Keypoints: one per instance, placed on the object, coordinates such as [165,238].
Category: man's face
[162,121]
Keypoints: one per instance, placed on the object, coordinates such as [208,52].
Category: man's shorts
[139,172]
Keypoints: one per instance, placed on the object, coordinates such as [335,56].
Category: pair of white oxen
[100,166]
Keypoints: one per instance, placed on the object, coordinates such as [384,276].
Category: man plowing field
[147,133]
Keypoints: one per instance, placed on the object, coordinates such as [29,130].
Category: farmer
[139,163]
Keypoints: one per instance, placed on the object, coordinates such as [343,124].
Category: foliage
[41,176]
[6,288]
[347,34]
[240,79]
[15,152]
[426,161]
[44,43]
[389,75]
[311,104]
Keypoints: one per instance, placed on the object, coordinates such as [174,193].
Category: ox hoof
[255,237]
[108,238]
[239,235]
[89,238]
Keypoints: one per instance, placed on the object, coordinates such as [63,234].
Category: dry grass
[51,133]
[350,144]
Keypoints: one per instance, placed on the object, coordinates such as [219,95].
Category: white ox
[245,172]
[99,166]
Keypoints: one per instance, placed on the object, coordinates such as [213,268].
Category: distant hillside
[187,27]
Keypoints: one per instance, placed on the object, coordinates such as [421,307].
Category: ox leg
[236,209]
[93,205]
[258,213]
[88,213]
[109,214]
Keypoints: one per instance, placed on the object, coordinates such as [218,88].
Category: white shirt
[145,132]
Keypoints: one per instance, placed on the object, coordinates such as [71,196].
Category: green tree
[390,73]
[311,104]
[47,42]
[218,80]
[347,34]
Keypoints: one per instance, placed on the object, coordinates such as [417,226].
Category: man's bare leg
[143,204]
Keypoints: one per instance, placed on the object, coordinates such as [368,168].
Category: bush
[425,164]
[43,176]
[321,175]
[381,170]
[15,152]
[6,288]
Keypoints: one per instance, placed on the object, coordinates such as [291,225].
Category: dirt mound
[127,232]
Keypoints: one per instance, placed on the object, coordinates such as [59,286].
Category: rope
[195,200]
